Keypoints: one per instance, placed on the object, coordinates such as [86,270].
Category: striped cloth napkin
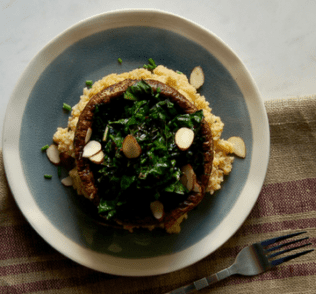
[287,202]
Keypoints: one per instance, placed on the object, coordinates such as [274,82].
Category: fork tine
[285,244]
[287,250]
[274,240]
[287,258]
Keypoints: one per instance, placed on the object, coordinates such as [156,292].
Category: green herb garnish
[48,176]
[120,60]
[45,147]
[153,120]
[89,83]
[66,107]
[151,64]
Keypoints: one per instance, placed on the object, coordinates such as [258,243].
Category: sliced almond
[88,135]
[52,153]
[97,158]
[157,209]
[67,181]
[105,135]
[92,148]
[131,148]
[184,138]
[197,77]
[184,180]
[239,146]
[190,175]
[197,188]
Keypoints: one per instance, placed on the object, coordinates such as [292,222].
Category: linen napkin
[286,203]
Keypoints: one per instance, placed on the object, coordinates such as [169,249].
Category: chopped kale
[153,120]
[138,91]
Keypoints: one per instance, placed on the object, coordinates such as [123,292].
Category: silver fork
[252,260]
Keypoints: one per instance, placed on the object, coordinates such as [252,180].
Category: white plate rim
[155,265]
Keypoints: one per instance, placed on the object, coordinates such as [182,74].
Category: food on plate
[91,148]
[184,138]
[67,181]
[88,135]
[157,209]
[52,153]
[239,147]
[142,162]
[44,148]
[151,64]
[66,107]
[197,77]
[130,147]
[89,83]
[121,130]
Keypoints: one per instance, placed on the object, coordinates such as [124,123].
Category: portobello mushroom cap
[85,121]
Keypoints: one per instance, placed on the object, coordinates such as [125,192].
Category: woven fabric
[286,203]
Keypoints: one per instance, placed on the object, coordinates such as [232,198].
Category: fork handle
[202,283]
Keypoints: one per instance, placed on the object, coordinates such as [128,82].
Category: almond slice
[105,135]
[239,146]
[157,209]
[52,153]
[131,148]
[184,138]
[67,181]
[184,180]
[92,148]
[197,77]
[190,177]
[197,188]
[88,135]
[97,158]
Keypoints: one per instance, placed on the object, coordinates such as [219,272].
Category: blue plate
[89,51]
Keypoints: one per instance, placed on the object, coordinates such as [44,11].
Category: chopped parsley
[126,185]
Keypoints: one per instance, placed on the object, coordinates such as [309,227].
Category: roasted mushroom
[145,216]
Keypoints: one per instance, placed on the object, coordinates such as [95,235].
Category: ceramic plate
[88,51]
